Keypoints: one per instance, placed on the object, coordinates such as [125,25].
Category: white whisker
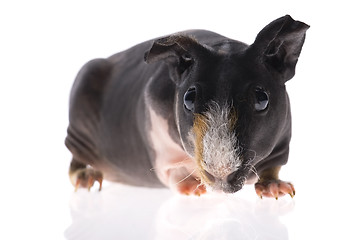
[254,170]
[200,184]
[185,178]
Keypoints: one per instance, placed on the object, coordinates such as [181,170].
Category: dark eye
[261,102]
[189,98]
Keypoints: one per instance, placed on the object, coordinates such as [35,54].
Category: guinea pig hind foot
[82,176]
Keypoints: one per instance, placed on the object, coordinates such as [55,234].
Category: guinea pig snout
[217,150]
[230,183]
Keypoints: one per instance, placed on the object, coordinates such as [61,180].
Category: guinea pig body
[191,111]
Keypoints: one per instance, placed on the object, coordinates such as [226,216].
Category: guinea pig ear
[280,43]
[172,46]
[178,51]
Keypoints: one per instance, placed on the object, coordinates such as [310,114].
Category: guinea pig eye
[189,99]
[262,100]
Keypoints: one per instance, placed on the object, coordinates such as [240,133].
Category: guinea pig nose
[232,177]
[209,176]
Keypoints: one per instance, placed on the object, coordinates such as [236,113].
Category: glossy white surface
[121,212]
[44,43]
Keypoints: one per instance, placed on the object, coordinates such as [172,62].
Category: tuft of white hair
[221,154]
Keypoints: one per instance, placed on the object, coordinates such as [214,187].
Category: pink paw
[191,187]
[274,188]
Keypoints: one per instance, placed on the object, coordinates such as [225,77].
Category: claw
[259,190]
[77,184]
[293,193]
[273,188]
[85,178]
[90,182]
[100,183]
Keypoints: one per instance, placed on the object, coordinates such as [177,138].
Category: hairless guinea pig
[193,111]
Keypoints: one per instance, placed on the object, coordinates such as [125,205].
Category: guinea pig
[193,111]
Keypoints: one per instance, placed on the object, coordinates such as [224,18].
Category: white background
[44,43]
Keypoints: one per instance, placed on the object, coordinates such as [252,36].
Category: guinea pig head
[231,104]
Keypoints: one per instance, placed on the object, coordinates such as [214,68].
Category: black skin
[109,119]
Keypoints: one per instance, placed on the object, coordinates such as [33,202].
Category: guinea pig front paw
[274,188]
[191,186]
[85,178]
